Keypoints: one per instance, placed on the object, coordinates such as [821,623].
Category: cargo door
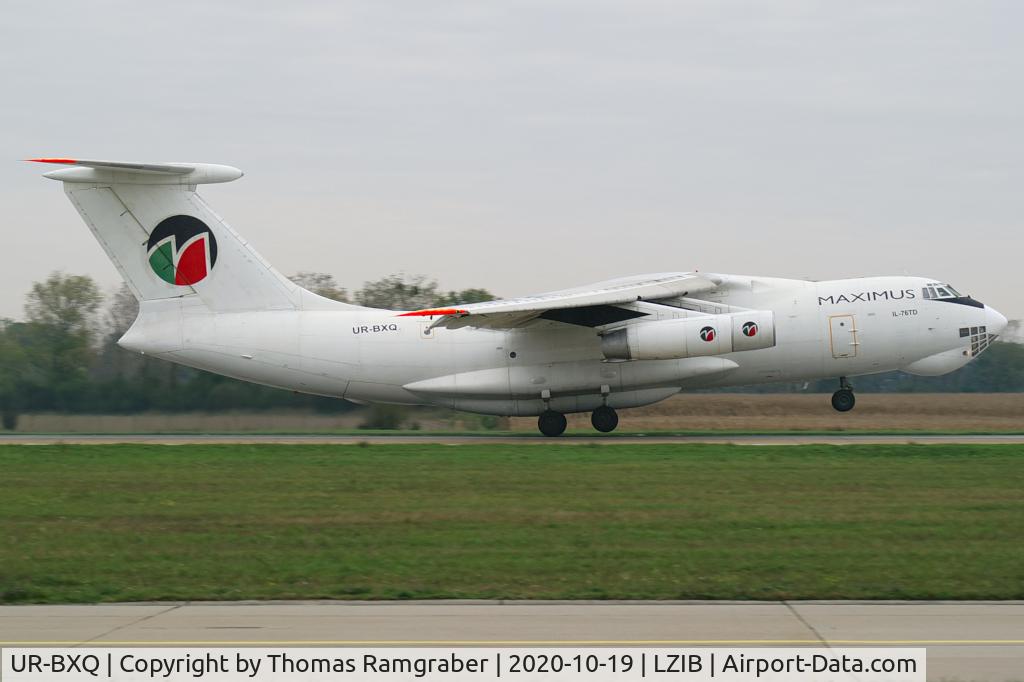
[843,336]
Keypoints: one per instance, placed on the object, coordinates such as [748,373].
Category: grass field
[106,523]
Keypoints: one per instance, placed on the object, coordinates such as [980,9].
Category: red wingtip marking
[433,311]
[53,160]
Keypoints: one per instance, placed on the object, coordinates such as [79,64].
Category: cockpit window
[940,291]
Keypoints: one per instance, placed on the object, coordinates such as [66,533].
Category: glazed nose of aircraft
[994,320]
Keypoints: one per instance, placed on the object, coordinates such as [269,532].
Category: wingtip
[53,160]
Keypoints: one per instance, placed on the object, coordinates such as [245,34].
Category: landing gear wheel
[551,423]
[843,400]
[604,419]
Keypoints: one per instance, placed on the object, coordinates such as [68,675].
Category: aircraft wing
[593,300]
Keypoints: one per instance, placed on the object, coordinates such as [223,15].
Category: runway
[525,439]
[965,640]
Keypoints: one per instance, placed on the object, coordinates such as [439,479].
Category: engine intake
[691,337]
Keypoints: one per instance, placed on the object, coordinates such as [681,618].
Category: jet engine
[691,337]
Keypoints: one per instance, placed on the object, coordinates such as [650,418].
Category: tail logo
[182,250]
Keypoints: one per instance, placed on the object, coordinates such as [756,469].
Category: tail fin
[165,241]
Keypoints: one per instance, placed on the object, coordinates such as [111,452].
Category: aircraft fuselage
[837,328]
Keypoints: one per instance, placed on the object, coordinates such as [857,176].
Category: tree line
[64,356]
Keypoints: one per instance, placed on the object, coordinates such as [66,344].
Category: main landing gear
[843,399]
[552,423]
[604,419]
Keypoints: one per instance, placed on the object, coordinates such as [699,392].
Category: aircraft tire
[604,419]
[551,423]
[843,400]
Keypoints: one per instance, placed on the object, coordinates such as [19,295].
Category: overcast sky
[526,146]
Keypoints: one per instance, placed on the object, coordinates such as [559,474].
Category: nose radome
[994,320]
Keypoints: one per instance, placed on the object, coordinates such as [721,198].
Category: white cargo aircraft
[208,300]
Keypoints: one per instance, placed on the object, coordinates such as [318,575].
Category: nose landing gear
[843,400]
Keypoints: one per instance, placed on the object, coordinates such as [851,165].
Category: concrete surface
[965,640]
[316,439]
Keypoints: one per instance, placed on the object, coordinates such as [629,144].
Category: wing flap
[511,313]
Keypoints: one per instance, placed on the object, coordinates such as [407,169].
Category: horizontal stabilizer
[129,172]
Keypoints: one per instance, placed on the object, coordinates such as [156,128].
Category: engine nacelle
[691,337]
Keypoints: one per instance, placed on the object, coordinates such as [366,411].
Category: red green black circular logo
[707,334]
[750,329]
[182,250]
